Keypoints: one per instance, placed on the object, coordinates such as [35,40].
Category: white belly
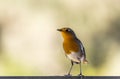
[75,57]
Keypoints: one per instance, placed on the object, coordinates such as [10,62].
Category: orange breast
[71,46]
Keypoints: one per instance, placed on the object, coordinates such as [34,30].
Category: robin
[73,48]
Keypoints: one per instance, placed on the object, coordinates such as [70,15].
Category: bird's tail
[85,61]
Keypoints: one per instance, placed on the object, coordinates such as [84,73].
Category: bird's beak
[59,29]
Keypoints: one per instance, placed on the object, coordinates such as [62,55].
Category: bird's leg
[80,70]
[70,68]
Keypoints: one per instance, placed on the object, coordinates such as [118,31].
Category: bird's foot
[68,75]
[81,75]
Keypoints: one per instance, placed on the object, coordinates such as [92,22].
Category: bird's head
[67,32]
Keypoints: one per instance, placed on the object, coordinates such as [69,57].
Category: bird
[73,47]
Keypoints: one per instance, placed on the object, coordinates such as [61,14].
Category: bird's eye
[68,30]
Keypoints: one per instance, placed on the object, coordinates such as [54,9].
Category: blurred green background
[30,44]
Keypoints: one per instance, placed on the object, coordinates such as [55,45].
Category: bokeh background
[31,46]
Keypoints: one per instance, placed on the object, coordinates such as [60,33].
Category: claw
[80,75]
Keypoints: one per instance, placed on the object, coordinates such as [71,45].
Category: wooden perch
[59,77]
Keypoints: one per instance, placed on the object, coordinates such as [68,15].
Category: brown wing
[82,47]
